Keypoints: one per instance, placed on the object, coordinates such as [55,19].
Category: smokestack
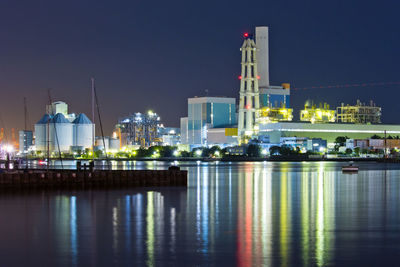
[262,56]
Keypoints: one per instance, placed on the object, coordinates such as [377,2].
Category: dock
[106,179]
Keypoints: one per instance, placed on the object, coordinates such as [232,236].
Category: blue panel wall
[274,100]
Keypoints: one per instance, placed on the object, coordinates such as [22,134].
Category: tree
[375,137]
[349,151]
[357,151]
[215,151]
[286,150]
[274,150]
[340,141]
[253,150]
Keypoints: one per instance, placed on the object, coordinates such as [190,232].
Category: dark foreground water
[246,214]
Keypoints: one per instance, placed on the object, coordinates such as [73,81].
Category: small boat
[350,168]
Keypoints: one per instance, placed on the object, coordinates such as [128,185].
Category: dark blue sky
[155,54]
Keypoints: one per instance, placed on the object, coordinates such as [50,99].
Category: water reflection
[247,214]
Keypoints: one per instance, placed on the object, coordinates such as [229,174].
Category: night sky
[155,54]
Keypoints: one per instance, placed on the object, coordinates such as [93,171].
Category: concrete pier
[67,179]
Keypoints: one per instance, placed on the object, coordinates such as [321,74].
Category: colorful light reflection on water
[245,214]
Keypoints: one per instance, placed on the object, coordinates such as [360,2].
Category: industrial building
[359,113]
[140,129]
[204,114]
[264,112]
[25,141]
[59,130]
[255,90]
[170,136]
[322,114]
[327,131]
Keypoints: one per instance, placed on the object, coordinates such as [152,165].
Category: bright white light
[198,152]
[217,153]
[176,153]
[321,149]
[9,148]
[264,152]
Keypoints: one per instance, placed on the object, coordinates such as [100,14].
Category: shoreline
[233,159]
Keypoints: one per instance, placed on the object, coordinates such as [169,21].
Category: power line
[347,85]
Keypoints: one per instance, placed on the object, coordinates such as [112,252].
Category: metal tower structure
[249,101]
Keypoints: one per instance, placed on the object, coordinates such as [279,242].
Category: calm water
[246,214]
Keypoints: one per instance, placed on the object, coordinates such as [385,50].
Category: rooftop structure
[313,114]
[359,113]
[270,114]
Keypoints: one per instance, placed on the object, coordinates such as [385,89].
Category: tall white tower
[249,93]
[262,56]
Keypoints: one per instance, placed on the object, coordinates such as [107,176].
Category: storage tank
[41,133]
[64,129]
[100,143]
[83,131]
[113,144]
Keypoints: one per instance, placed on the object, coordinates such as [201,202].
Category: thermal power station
[59,131]
[259,102]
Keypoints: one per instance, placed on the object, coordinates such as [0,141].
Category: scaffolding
[322,114]
[140,129]
[360,113]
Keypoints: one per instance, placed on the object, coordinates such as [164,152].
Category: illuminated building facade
[359,113]
[206,113]
[313,114]
[25,140]
[140,129]
[270,114]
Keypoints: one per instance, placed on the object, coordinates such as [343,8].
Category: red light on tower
[240,77]
[246,34]
[258,77]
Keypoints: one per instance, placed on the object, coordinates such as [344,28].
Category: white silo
[61,133]
[41,133]
[83,131]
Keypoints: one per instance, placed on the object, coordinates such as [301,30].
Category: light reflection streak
[305,218]
[285,223]
[204,210]
[73,229]
[138,203]
[173,230]
[128,222]
[115,228]
[150,229]
[266,217]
